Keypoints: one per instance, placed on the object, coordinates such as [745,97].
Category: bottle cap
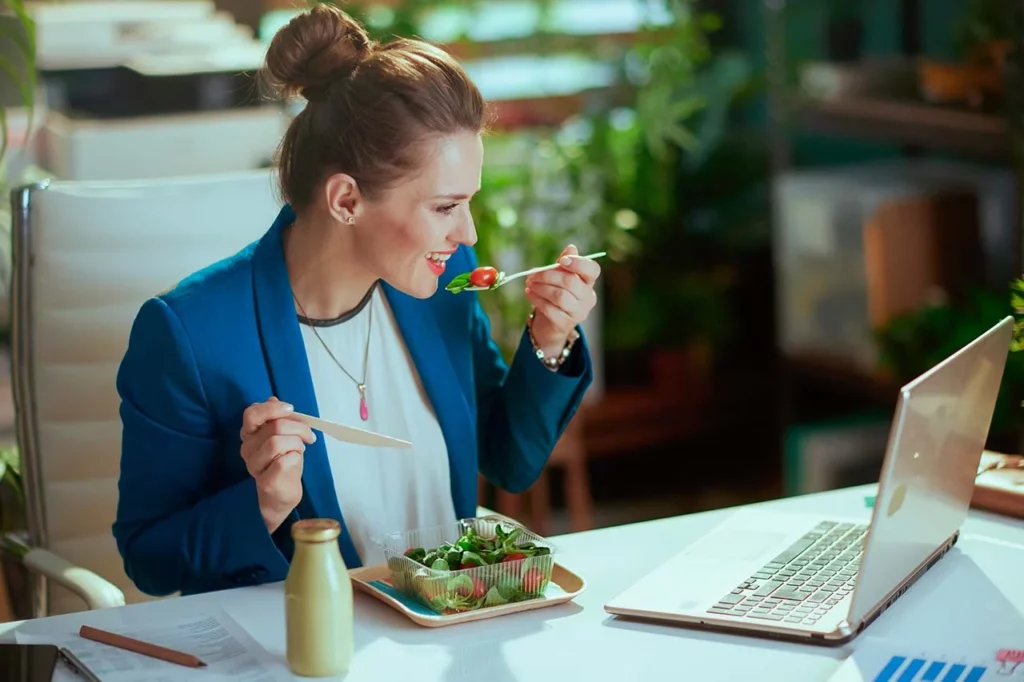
[315,530]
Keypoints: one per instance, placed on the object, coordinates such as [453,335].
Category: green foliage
[1017,305]
[985,21]
[912,344]
[19,73]
[12,494]
[18,29]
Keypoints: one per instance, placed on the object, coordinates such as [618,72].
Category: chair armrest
[97,592]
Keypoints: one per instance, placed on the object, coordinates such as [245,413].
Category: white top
[380,490]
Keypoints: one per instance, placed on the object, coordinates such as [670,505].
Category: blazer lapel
[288,367]
[430,355]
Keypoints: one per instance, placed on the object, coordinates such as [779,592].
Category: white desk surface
[581,641]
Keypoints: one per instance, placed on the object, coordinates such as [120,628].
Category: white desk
[579,641]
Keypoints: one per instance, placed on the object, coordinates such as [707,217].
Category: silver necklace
[364,412]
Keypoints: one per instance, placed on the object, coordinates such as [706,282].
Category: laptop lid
[927,479]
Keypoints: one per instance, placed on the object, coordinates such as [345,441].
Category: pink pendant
[364,413]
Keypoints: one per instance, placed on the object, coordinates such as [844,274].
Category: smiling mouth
[438,258]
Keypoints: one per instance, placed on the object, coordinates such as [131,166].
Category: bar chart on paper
[880,661]
[907,669]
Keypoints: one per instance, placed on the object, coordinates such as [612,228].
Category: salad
[475,571]
[482,278]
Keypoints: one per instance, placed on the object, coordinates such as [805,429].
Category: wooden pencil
[140,647]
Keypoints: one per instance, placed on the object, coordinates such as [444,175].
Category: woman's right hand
[272,448]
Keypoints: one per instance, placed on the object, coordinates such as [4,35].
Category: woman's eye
[447,210]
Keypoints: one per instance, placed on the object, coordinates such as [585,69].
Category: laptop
[814,579]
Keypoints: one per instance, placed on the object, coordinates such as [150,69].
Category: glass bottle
[318,602]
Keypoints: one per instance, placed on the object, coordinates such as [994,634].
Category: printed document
[230,653]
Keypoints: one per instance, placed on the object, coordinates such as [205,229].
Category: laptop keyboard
[804,582]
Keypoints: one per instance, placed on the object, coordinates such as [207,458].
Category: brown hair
[369,104]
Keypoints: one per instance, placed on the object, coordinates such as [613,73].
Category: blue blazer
[228,336]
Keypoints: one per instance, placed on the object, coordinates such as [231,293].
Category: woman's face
[407,234]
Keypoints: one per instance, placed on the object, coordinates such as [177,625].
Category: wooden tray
[376,582]
[999,486]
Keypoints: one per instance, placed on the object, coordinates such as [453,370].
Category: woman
[339,311]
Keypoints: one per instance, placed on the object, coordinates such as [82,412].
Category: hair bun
[314,49]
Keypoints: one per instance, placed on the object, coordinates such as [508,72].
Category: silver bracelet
[555,362]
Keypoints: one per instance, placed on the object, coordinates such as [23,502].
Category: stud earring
[350,220]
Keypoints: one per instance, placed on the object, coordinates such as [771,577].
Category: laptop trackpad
[734,545]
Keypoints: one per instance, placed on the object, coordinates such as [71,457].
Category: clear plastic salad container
[470,564]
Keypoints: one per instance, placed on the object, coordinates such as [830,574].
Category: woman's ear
[343,199]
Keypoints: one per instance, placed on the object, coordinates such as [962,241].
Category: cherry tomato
[484,276]
[478,591]
[533,581]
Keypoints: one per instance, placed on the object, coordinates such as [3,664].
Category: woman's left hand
[562,298]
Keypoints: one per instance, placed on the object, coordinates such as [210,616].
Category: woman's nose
[466,233]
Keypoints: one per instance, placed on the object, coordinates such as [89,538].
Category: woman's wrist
[273,515]
[552,349]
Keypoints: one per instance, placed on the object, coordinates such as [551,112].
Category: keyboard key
[724,612]
[731,599]
[767,587]
[761,575]
[790,594]
[794,550]
[767,616]
[774,565]
[817,597]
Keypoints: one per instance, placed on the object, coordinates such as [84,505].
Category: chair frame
[43,565]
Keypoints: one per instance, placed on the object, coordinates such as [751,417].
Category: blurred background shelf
[835,375]
[907,122]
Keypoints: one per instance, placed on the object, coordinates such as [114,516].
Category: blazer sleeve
[523,408]
[177,527]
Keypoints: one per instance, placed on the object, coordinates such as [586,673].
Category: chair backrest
[86,256]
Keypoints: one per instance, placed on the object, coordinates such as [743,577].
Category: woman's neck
[324,273]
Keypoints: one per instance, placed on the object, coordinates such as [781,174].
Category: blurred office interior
[805,204]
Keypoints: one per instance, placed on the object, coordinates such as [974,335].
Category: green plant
[911,344]
[696,206]
[985,21]
[18,29]
[17,71]
[12,495]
